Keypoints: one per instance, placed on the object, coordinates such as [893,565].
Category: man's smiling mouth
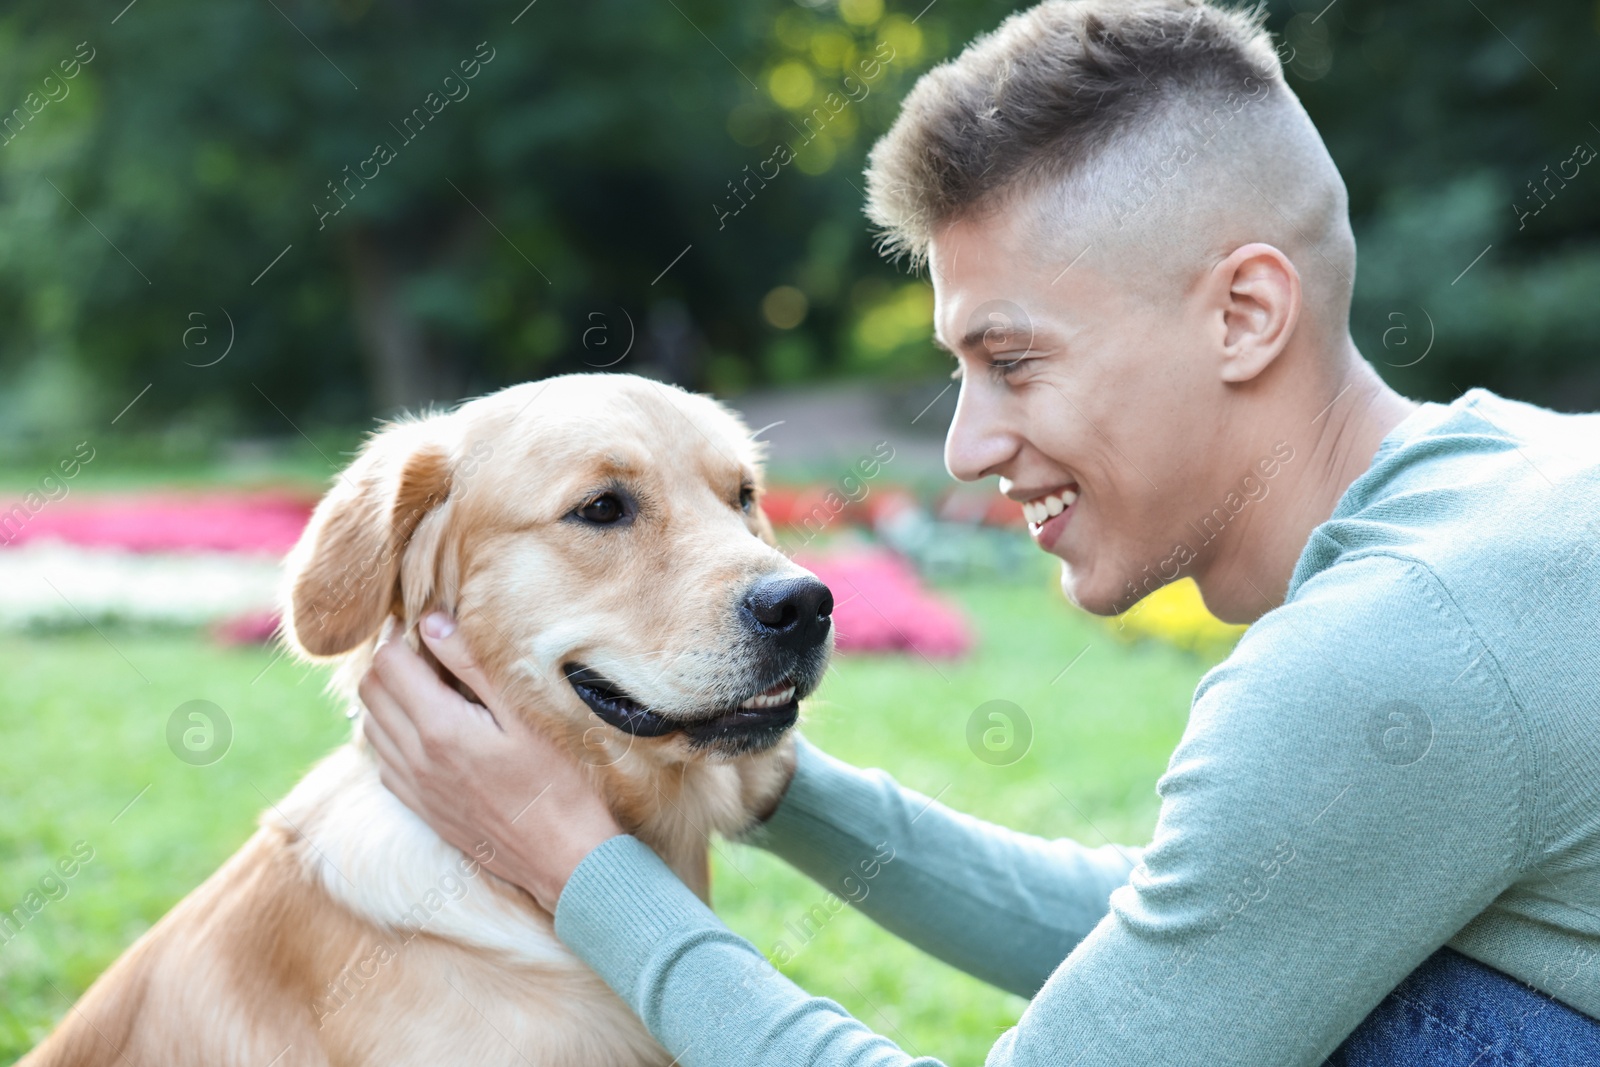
[767,713]
[1041,509]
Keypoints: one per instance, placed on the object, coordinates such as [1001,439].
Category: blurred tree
[420,201]
[323,186]
[1439,117]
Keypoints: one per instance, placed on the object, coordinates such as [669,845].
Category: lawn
[86,759]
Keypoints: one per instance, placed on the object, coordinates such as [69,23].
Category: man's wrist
[565,854]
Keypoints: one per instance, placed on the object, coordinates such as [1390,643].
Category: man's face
[1073,382]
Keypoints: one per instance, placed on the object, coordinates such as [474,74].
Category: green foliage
[86,735]
[595,144]
[615,175]
[1439,118]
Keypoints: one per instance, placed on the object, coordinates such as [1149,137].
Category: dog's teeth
[765,700]
[1054,505]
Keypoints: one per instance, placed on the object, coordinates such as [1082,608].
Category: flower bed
[213,560]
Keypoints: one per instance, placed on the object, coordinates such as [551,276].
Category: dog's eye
[747,498]
[603,510]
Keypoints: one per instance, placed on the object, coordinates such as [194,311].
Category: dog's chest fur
[466,952]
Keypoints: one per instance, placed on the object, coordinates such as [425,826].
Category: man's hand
[476,772]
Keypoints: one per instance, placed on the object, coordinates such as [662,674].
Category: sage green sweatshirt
[1405,754]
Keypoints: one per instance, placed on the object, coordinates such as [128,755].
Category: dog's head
[600,540]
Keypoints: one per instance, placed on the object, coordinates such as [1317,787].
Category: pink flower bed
[265,523]
[880,602]
[881,605]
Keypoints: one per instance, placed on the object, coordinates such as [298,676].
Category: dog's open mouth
[765,714]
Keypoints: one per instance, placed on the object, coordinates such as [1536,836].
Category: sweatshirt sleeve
[1350,791]
[1003,906]
[706,993]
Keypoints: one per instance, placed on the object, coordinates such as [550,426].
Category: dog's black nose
[793,612]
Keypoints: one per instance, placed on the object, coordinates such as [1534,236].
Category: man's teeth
[775,697]
[1037,511]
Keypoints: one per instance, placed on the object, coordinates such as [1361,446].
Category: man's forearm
[706,994]
[1002,906]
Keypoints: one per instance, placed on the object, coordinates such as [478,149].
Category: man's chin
[1084,592]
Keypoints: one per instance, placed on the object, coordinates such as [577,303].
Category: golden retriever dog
[600,540]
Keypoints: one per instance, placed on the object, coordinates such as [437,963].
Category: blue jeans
[1455,1012]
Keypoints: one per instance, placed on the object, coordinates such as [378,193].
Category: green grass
[85,733]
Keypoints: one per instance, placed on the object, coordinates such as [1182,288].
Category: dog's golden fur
[345,931]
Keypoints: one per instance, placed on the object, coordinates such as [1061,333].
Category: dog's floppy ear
[343,576]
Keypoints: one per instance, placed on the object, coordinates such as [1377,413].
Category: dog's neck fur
[380,859]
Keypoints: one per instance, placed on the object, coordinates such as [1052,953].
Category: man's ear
[1258,293]
[343,577]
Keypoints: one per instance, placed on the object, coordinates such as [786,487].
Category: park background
[195,290]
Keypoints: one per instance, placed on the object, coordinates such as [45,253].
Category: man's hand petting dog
[475,771]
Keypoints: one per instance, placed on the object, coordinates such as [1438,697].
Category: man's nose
[978,442]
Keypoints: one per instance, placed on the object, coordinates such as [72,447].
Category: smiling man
[1142,256]
[1379,839]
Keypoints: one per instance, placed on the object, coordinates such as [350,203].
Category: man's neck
[1333,447]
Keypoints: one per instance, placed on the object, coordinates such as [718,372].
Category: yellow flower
[1177,614]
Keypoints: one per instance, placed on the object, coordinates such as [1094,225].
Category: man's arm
[1349,793]
[1003,906]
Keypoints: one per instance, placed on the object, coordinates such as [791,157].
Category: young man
[1142,261]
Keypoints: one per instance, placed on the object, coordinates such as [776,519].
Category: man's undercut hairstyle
[1148,128]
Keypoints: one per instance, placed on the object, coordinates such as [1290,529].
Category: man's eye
[1002,367]
[603,510]
[747,498]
